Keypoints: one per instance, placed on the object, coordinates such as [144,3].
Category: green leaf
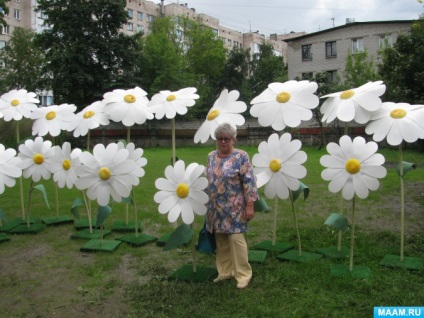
[74,209]
[3,215]
[181,235]
[407,166]
[102,214]
[338,221]
[43,191]
[261,206]
[127,200]
[302,188]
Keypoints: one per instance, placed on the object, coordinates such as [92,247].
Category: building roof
[347,25]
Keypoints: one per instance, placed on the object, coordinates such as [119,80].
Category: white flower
[226,109]
[9,167]
[36,156]
[63,165]
[127,106]
[89,118]
[353,104]
[171,103]
[279,165]
[105,173]
[17,104]
[285,104]
[135,154]
[397,122]
[353,167]
[52,119]
[182,192]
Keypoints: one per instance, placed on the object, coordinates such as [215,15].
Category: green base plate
[122,226]
[7,227]
[305,257]
[83,224]
[33,228]
[24,221]
[100,246]
[58,220]
[85,234]
[202,274]
[333,253]
[257,256]
[414,263]
[140,240]
[339,270]
[4,237]
[277,248]
[163,239]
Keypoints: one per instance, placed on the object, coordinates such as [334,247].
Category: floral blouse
[231,185]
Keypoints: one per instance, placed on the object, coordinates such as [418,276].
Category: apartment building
[327,50]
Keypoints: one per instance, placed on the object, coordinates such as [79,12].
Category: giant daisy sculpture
[226,109]
[278,167]
[17,104]
[9,168]
[353,167]
[181,192]
[354,104]
[285,104]
[52,119]
[169,104]
[398,122]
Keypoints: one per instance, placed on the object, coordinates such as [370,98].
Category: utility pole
[333,21]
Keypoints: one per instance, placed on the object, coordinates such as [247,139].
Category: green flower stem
[56,192]
[135,214]
[88,140]
[29,203]
[296,224]
[274,229]
[352,236]
[193,251]
[402,205]
[88,208]
[21,186]
[126,205]
[339,241]
[173,142]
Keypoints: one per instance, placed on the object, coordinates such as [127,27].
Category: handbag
[206,242]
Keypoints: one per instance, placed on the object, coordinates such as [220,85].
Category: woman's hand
[250,214]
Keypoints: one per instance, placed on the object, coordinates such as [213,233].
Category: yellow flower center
[66,164]
[182,190]
[347,94]
[171,98]
[51,115]
[275,165]
[213,114]
[104,173]
[129,98]
[38,158]
[88,114]
[283,97]
[353,166]
[15,102]
[398,113]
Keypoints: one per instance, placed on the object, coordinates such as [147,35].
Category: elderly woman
[232,192]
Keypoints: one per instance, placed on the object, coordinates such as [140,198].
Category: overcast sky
[284,16]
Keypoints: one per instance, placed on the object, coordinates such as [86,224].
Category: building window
[129,26]
[2,44]
[357,45]
[256,48]
[307,75]
[139,15]
[229,42]
[17,14]
[5,30]
[149,18]
[139,28]
[332,76]
[307,52]
[385,41]
[130,13]
[330,49]
[46,100]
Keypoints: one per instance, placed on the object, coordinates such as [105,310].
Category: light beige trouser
[232,256]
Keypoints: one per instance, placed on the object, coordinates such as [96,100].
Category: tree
[359,70]
[402,66]
[178,53]
[4,9]
[86,52]
[23,62]
[265,68]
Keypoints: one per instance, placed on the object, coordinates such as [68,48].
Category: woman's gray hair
[227,129]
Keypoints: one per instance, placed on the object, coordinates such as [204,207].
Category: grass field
[46,275]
